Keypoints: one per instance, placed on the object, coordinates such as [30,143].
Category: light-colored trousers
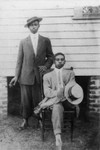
[57,111]
[57,118]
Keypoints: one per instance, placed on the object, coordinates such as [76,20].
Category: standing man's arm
[19,61]
[18,66]
[49,54]
[49,57]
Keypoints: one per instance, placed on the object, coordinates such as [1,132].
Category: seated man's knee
[58,108]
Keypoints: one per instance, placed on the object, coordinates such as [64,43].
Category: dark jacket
[27,62]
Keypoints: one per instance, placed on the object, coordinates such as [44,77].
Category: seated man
[61,92]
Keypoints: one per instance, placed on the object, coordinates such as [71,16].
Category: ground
[86,135]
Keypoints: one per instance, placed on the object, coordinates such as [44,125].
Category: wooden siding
[79,40]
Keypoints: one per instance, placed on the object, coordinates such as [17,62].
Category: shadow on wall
[14,97]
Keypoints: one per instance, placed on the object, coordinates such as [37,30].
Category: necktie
[59,80]
[35,44]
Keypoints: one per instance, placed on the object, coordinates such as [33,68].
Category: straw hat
[73,93]
[29,21]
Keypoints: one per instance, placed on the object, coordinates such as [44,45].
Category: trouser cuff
[58,131]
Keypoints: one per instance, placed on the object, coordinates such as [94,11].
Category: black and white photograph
[49,75]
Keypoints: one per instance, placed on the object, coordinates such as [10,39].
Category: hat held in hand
[29,21]
[74,93]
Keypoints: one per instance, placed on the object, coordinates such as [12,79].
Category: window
[86,13]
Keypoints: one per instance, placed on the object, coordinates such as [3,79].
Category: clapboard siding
[57,42]
[75,64]
[73,57]
[47,20]
[79,40]
[30,5]
[54,28]
[68,50]
[78,71]
[54,35]
[43,13]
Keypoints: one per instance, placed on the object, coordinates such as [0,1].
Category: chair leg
[42,125]
[72,126]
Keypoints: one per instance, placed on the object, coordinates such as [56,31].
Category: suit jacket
[50,82]
[27,62]
[50,87]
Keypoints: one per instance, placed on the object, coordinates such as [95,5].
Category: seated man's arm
[71,76]
[48,91]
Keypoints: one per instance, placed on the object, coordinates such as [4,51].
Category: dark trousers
[67,105]
[30,97]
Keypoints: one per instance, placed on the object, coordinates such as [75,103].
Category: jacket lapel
[39,45]
[30,45]
[54,79]
[65,76]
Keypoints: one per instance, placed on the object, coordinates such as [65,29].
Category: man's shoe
[23,126]
[59,147]
[58,142]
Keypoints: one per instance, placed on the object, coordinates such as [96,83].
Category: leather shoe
[23,126]
[59,147]
[58,142]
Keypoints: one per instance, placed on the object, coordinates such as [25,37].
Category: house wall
[79,40]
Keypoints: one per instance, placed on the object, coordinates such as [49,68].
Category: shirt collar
[57,70]
[34,35]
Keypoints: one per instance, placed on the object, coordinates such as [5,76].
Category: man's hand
[13,82]
[42,69]
[60,93]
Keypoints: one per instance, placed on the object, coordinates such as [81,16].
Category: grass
[86,135]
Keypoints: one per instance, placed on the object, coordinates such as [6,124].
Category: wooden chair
[45,122]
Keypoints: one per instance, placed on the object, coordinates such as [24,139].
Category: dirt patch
[86,136]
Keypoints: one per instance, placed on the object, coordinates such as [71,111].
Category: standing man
[34,58]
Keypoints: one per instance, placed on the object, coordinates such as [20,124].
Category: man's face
[59,61]
[34,26]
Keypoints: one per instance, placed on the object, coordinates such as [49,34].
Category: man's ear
[53,62]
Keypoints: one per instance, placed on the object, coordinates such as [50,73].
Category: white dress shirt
[34,39]
[59,81]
